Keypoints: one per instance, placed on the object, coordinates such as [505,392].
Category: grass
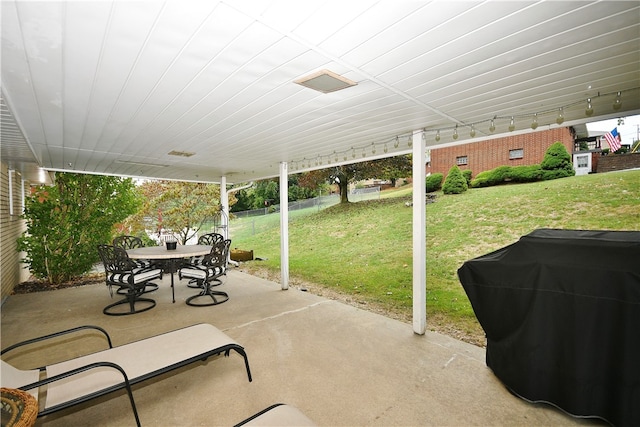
[364,249]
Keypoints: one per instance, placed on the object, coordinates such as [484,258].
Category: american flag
[613,138]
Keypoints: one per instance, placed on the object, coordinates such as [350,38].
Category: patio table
[170,258]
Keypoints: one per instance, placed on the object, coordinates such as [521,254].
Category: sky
[629,132]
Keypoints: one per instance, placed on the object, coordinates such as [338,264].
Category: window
[583,161]
[518,153]
[461,160]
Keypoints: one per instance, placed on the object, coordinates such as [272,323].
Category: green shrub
[481,180]
[66,221]
[506,174]
[558,160]
[495,176]
[455,183]
[434,182]
[530,173]
[467,175]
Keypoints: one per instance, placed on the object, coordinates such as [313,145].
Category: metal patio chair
[212,267]
[131,280]
[209,239]
[131,242]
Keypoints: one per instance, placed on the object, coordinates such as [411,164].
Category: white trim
[11,175]
[22,196]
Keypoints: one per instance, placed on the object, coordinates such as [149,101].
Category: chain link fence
[259,220]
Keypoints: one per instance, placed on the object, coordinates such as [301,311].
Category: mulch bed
[43,286]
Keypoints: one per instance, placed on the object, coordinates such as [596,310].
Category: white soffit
[116,86]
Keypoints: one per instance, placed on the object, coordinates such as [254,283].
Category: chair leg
[210,297]
[193,283]
[149,287]
[132,298]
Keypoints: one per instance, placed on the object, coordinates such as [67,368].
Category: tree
[455,182]
[267,192]
[182,207]
[387,168]
[66,222]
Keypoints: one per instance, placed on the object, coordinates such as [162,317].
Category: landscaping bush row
[555,164]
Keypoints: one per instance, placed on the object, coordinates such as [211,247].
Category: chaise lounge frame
[93,375]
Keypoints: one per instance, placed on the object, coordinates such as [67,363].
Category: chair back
[210,239]
[128,242]
[115,259]
[218,255]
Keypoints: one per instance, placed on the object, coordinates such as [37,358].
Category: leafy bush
[66,222]
[530,173]
[434,182]
[467,175]
[455,183]
[557,162]
[492,177]
[506,174]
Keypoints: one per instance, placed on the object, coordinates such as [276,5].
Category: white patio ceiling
[114,87]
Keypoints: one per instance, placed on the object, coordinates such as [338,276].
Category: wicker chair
[131,280]
[19,408]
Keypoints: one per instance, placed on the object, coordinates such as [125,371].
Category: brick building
[517,150]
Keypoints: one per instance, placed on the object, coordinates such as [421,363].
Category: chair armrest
[78,370]
[57,334]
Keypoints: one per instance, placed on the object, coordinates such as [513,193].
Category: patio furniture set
[130,267]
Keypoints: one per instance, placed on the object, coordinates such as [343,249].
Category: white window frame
[516,153]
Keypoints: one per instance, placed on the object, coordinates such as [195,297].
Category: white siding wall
[11,227]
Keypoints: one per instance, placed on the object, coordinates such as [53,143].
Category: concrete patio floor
[340,365]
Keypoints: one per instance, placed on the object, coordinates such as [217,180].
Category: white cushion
[195,273]
[137,277]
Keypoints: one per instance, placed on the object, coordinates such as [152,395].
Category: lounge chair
[86,377]
[278,415]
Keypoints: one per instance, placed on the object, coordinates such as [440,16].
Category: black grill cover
[561,311]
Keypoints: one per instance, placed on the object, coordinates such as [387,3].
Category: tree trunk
[344,187]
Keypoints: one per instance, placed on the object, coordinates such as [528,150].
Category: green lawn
[364,249]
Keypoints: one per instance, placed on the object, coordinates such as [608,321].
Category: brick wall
[618,162]
[11,227]
[487,155]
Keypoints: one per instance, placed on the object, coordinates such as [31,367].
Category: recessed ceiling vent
[180,153]
[325,81]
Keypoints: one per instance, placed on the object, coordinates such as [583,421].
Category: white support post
[224,202]
[284,226]
[224,216]
[419,234]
